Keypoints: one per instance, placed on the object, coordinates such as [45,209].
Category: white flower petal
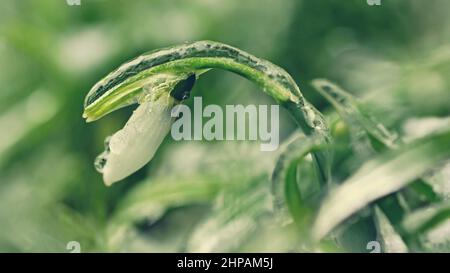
[133,146]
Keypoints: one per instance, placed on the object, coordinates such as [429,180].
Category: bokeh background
[193,196]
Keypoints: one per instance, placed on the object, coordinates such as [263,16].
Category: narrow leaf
[391,240]
[285,190]
[384,175]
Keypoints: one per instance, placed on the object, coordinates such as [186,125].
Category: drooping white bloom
[130,148]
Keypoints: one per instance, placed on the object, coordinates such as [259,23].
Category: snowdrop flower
[130,148]
[161,79]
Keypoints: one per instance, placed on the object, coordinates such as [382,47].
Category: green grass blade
[392,242]
[152,199]
[236,216]
[285,190]
[425,219]
[364,128]
[352,113]
[384,175]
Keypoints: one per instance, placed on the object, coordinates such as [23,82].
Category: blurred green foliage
[395,57]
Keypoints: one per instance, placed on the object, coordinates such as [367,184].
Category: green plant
[163,78]
[383,195]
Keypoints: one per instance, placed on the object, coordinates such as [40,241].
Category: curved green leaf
[379,177]
[352,113]
[285,190]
